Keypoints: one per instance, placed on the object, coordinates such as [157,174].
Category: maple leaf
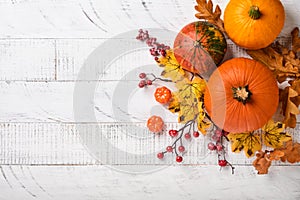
[249,142]
[172,68]
[205,9]
[274,135]
[189,96]
[174,105]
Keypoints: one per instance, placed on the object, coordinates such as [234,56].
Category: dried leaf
[275,155]
[274,135]
[261,163]
[202,124]
[249,142]
[205,9]
[283,62]
[289,109]
[291,152]
[295,40]
[172,68]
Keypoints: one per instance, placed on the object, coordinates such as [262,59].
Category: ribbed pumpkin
[199,47]
[254,24]
[241,95]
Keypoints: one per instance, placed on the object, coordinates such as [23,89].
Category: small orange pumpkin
[254,24]
[241,95]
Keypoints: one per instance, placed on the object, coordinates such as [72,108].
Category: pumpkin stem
[242,94]
[254,12]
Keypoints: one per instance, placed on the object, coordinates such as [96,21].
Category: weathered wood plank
[100,143]
[103,19]
[27,59]
[188,182]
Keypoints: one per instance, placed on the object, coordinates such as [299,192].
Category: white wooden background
[46,153]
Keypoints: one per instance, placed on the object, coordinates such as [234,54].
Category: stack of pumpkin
[242,94]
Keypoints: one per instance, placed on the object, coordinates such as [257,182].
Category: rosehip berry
[160,155]
[216,138]
[142,75]
[196,134]
[218,133]
[156,59]
[149,82]
[163,52]
[142,84]
[187,136]
[219,147]
[173,133]
[181,149]
[169,149]
[179,159]
[222,163]
[211,146]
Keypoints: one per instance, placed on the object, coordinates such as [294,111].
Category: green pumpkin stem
[254,12]
[242,94]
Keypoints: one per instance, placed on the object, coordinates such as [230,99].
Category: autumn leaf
[249,142]
[289,108]
[202,122]
[274,135]
[174,105]
[295,40]
[291,152]
[189,96]
[172,68]
[261,163]
[284,63]
[205,9]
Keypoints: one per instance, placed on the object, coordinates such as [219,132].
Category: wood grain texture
[178,182]
[56,145]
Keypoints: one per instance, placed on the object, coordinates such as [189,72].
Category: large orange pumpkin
[199,47]
[253,24]
[241,95]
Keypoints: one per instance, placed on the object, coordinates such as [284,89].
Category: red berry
[142,75]
[218,133]
[156,59]
[169,149]
[219,147]
[149,82]
[173,133]
[211,146]
[187,136]
[142,83]
[181,149]
[196,134]
[216,138]
[160,155]
[163,52]
[179,159]
[222,163]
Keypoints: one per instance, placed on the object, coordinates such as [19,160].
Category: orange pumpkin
[241,95]
[254,24]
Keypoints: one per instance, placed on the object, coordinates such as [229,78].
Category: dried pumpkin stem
[242,94]
[254,12]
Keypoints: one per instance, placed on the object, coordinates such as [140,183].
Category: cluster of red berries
[158,49]
[173,148]
[217,144]
[145,81]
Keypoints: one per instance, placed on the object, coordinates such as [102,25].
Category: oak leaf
[205,9]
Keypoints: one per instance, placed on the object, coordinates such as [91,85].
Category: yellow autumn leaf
[174,105]
[249,142]
[172,68]
[274,135]
[202,124]
[189,96]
